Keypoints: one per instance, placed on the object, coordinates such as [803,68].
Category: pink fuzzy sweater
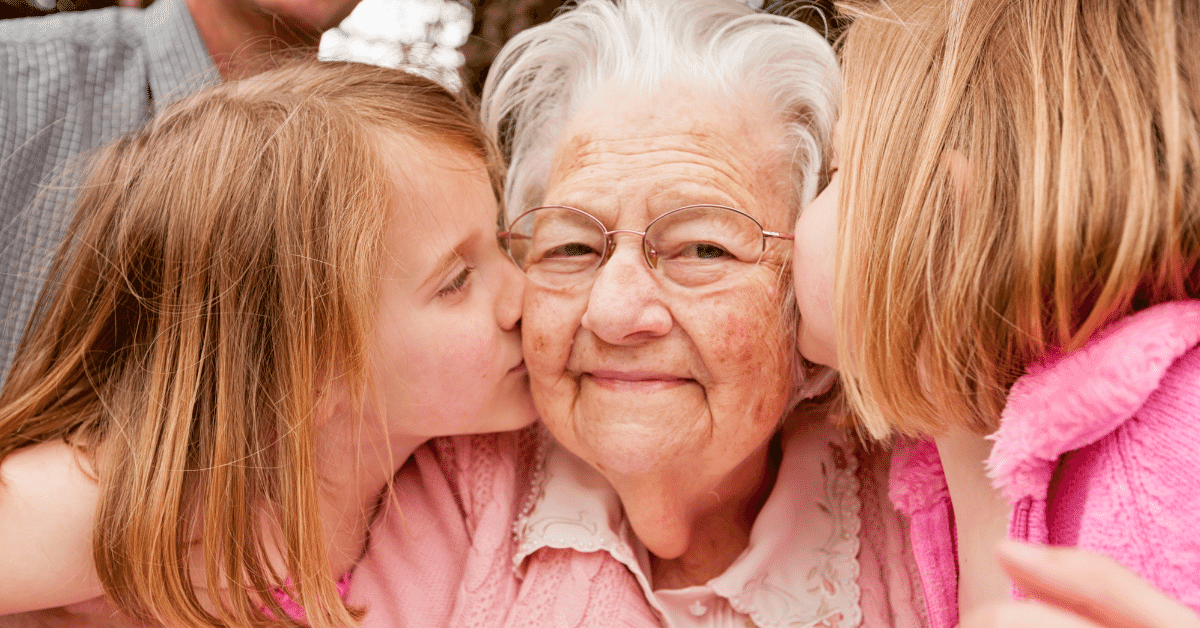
[1098,448]
[441,552]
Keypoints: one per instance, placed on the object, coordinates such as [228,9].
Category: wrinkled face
[632,373]
[447,357]
[813,261]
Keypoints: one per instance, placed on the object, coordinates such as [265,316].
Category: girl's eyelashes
[456,284]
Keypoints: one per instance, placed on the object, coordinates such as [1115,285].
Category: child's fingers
[1091,586]
[1024,615]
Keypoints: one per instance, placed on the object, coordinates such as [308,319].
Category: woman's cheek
[548,327]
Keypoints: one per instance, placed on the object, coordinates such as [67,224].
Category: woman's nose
[626,303]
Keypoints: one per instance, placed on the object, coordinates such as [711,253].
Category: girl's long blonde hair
[1018,174]
[222,269]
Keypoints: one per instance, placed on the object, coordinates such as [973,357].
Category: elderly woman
[659,150]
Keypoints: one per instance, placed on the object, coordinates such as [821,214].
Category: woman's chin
[633,449]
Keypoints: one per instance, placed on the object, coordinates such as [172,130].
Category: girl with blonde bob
[270,297]
[1018,253]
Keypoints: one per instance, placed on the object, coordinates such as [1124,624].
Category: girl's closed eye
[456,284]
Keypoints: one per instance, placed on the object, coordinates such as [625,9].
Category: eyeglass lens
[692,246]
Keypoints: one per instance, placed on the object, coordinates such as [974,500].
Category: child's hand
[1073,588]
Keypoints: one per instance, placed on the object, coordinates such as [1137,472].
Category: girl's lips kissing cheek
[634,381]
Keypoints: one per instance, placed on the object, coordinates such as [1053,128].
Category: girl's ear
[960,173]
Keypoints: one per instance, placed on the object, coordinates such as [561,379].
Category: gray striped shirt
[70,83]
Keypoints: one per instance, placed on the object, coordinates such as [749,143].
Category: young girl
[270,298]
[1018,250]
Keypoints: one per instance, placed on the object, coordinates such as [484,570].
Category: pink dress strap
[293,608]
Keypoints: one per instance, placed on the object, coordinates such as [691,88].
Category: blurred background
[452,41]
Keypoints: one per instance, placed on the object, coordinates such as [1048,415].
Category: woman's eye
[703,250]
[570,249]
[456,284]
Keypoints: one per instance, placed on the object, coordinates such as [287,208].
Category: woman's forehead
[652,154]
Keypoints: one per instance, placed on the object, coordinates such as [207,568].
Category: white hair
[546,73]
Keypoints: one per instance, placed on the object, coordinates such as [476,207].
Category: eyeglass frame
[610,245]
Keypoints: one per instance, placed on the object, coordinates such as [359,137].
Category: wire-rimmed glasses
[698,245]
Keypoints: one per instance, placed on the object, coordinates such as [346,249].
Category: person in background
[269,299]
[1007,266]
[71,82]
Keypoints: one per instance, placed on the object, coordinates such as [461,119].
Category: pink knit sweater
[441,552]
[1099,449]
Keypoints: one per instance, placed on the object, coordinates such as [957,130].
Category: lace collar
[800,568]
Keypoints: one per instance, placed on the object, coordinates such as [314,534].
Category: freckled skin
[628,159]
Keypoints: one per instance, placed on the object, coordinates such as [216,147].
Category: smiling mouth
[634,380]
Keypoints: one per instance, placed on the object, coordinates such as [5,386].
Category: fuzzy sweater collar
[1070,401]
[1061,404]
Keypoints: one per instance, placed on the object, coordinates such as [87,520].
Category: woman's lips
[634,380]
[519,368]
